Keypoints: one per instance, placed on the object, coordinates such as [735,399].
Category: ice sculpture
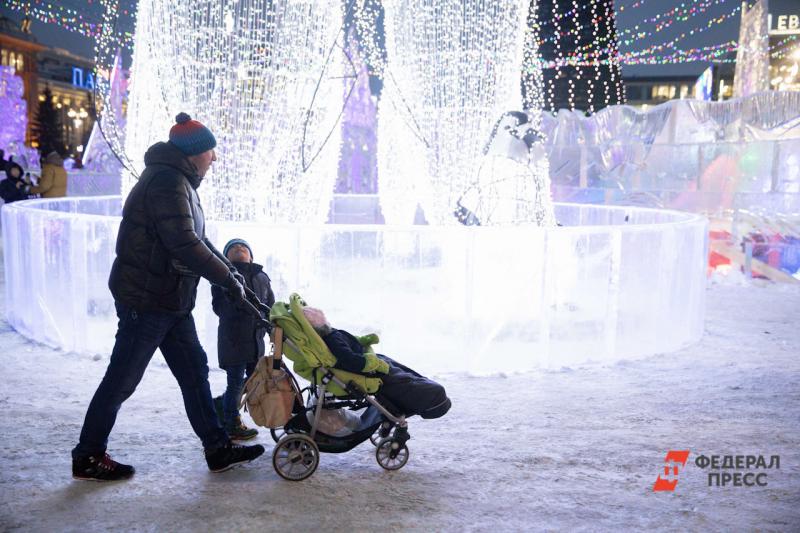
[611,283]
[686,154]
[265,77]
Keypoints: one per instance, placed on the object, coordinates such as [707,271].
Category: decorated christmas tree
[47,130]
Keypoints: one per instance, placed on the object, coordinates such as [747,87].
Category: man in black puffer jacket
[161,254]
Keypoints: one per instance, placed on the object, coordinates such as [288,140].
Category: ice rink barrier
[610,283]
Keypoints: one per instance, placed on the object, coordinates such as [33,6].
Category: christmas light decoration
[589,81]
[629,36]
[785,47]
[452,68]
[104,150]
[694,31]
[713,53]
[15,116]
[266,78]
[69,19]
[662,21]
[633,6]
[110,87]
[752,59]
[584,55]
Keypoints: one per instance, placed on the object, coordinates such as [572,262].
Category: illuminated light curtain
[581,55]
[265,77]
[452,70]
[751,75]
[105,147]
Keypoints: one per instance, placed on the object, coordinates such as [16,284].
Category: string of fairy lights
[616,74]
[75,20]
[629,36]
[596,76]
[662,21]
[108,90]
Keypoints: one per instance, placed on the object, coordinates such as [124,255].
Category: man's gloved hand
[239,277]
[236,289]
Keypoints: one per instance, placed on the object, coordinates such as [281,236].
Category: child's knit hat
[234,242]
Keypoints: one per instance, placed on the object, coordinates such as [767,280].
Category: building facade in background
[784,43]
[70,78]
[704,82]
[769,43]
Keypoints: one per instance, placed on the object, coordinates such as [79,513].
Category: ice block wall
[610,283]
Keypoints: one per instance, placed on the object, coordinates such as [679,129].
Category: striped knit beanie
[190,136]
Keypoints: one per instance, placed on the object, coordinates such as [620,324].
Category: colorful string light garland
[70,19]
[658,54]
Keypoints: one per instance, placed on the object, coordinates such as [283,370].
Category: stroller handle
[256,307]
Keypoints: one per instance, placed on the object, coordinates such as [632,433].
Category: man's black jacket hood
[169,155]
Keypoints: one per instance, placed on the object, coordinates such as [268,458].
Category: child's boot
[218,409]
[238,431]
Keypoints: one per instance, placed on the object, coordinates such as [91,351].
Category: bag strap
[277,348]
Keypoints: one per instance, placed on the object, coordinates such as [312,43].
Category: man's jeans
[139,334]
[230,400]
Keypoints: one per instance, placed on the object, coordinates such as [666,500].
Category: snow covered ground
[573,449]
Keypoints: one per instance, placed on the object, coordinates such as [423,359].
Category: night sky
[627,18]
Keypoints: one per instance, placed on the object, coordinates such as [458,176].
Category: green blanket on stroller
[308,351]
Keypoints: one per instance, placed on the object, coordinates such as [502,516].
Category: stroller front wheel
[380,433]
[295,457]
[391,454]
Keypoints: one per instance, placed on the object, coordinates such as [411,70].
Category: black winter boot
[227,456]
[100,468]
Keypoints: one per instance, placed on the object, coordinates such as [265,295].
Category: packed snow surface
[566,449]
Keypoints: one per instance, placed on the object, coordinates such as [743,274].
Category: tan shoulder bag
[270,393]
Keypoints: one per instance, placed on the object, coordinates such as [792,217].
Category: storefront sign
[82,78]
[784,24]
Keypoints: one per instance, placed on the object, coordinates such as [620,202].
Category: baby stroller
[331,392]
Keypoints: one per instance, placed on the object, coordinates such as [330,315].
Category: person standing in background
[53,181]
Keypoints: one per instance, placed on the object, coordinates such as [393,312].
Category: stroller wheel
[295,457]
[381,433]
[391,455]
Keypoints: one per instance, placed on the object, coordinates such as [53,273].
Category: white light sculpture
[109,91]
[265,77]
[452,69]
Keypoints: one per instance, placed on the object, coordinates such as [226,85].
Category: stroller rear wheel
[295,457]
[391,454]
